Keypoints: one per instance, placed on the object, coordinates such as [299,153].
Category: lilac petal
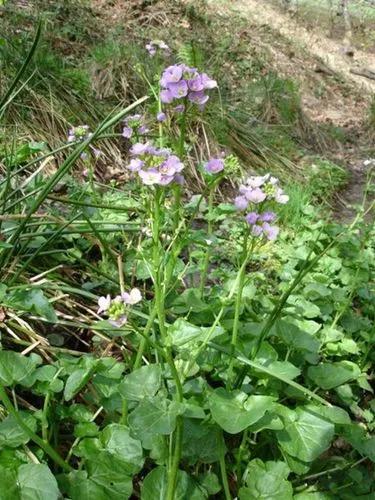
[118,322]
[256,230]
[104,303]
[127,132]
[165,180]
[256,195]
[179,109]
[196,84]
[270,231]
[241,203]
[214,165]
[150,177]
[179,89]
[179,179]
[198,97]
[143,129]
[166,97]
[207,82]
[172,74]
[133,297]
[251,218]
[139,148]
[135,165]
[255,181]
[267,217]
[161,117]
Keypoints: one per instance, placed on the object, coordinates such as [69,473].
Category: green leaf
[8,484]
[202,442]
[33,301]
[297,339]
[306,435]
[11,434]
[37,482]
[330,375]
[116,440]
[305,307]
[14,368]
[77,381]
[182,332]
[284,369]
[155,415]
[267,480]
[235,411]
[358,438]
[155,486]
[142,383]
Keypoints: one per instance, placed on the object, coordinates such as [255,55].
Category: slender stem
[240,454]
[206,260]
[160,308]
[45,417]
[246,254]
[223,472]
[46,447]
[144,340]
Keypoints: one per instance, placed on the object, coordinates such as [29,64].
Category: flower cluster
[155,165]
[180,81]
[257,190]
[134,123]
[79,134]
[153,46]
[116,308]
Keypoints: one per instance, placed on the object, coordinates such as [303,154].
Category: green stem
[144,341]
[160,308]
[240,454]
[246,254]
[223,472]
[206,260]
[46,447]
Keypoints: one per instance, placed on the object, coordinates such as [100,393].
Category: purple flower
[241,203]
[256,230]
[166,96]
[143,129]
[150,177]
[139,148]
[135,165]
[214,165]
[178,90]
[267,217]
[161,117]
[256,195]
[271,232]
[127,132]
[180,108]
[179,179]
[251,218]
[172,74]
[198,97]
[196,84]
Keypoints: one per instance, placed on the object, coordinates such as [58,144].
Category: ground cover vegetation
[181,317]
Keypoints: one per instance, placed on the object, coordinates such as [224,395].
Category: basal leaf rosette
[256,195]
[155,166]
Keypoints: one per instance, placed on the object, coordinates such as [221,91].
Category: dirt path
[345,103]
[313,41]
